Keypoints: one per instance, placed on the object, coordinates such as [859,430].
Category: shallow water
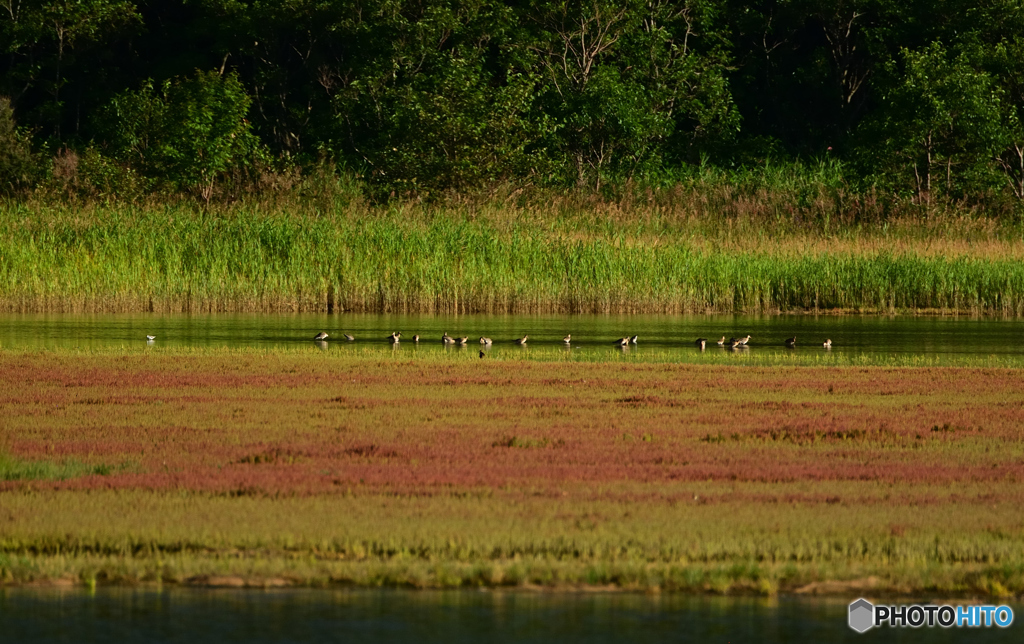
[193,615]
[862,339]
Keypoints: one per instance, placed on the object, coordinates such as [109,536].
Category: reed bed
[484,260]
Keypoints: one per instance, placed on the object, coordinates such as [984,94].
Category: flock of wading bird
[735,344]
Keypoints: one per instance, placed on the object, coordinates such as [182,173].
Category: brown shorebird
[721,342]
[447,339]
[349,337]
[522,341]
[791,342]
[827,344]
[745,340]
[702,342]
[319,337]
[567,339]
[486,341]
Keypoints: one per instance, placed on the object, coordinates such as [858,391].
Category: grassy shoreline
[495,259]
[303,469]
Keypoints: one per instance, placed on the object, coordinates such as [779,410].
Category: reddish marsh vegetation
[300,425]
[450,472]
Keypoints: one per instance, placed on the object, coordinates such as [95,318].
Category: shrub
[186,134]
[18,165]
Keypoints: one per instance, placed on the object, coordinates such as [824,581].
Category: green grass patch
[14,469]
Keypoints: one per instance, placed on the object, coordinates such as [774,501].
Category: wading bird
[791,342]
[567,339]
[633,339]
[482,354]
[319,337]
[394,336]
[349,337]
[622,342]
[745,340]
[416,338]
[702,342]
[462,341]
[827,344]
[447,339]
[486,341]
[150,338]
[522,341]
[721,342]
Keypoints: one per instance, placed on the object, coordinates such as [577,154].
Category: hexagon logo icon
[862,615]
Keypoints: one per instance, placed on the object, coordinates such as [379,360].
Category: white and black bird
[320,337]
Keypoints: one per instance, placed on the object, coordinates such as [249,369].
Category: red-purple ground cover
[295,424]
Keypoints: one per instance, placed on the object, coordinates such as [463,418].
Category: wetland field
[298,467]
[233,451]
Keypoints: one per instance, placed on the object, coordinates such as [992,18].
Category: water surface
[380,616]
[865,339]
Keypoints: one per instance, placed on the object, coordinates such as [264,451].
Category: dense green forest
[919,101]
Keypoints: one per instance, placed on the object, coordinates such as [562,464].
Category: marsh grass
[14,469]
[129,538]
[568,256]
[302,468]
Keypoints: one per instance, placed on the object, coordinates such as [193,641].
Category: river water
[862,339]
[381,616]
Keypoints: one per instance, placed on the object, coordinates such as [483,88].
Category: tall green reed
[174,259]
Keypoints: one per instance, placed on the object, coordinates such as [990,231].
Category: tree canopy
[922,97]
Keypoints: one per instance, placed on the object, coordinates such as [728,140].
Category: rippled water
[864,338]
[189,615]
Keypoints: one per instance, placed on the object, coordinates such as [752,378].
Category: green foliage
[940,125]
[46,42]
[18,165]
[187,133]
[436,97]
[89,175]
[454,131]
[630,83]
[14,469]
[1007,63]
